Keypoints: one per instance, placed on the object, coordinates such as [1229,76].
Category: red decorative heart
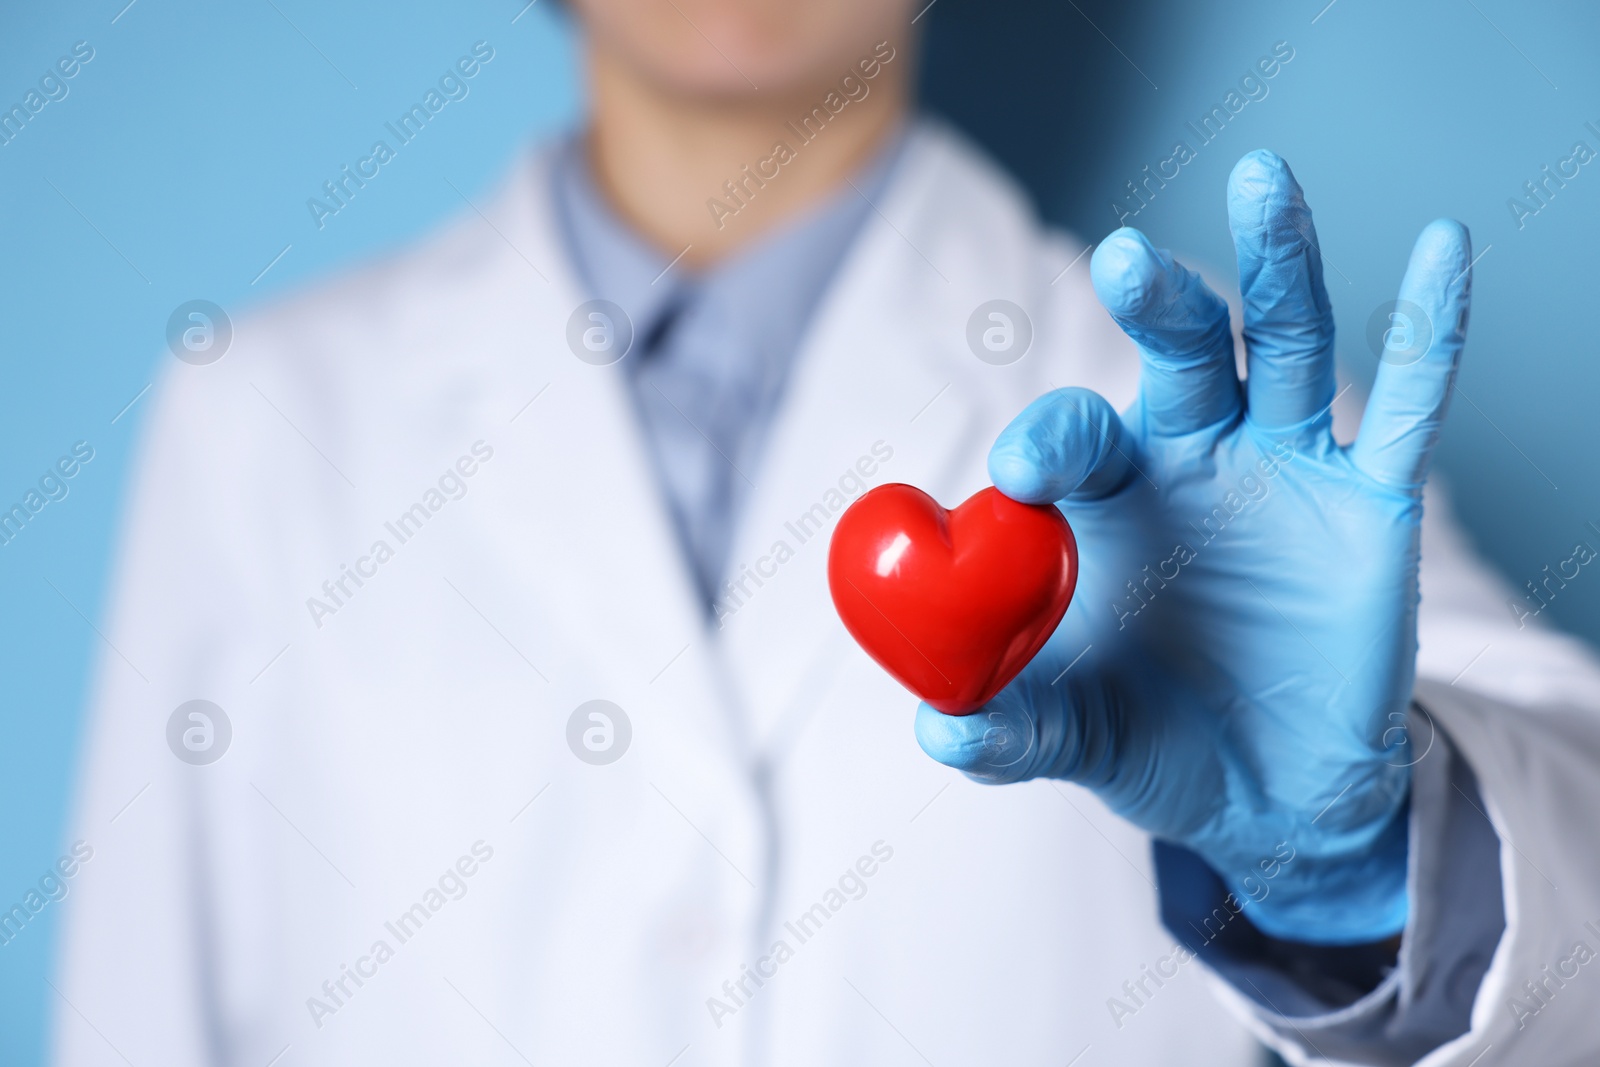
[952,603]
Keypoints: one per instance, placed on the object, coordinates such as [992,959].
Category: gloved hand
[1246,614]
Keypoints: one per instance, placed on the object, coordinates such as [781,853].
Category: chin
[725,48]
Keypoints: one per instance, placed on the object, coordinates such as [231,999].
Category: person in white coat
[474,694]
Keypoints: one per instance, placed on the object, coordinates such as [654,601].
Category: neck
[664,160]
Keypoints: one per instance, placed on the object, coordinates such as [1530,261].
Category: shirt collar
[773,284]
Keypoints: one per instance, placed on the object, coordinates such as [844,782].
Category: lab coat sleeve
[134,981]
[1507,718]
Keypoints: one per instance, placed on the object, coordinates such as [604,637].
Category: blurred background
[178,163]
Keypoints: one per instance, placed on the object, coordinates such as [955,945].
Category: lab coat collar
[583,530]
[884,388]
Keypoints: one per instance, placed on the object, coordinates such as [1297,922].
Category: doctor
[530,734]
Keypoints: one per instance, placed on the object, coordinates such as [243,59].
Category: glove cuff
[1341,900]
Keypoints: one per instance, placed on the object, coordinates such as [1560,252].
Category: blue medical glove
[1235,669]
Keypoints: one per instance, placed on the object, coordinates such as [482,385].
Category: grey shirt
[712,349]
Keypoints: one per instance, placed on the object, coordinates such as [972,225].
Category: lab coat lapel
[582,556]
[588,540]
[884,389]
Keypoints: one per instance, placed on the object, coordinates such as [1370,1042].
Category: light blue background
[188,146]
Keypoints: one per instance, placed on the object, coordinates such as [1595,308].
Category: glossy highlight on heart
[953,603]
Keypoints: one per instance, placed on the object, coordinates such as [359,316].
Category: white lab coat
[370,754]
